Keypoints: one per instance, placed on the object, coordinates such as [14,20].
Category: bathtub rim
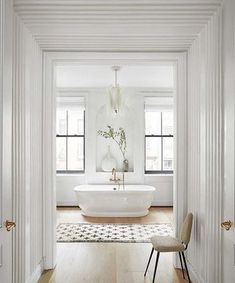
[110,188]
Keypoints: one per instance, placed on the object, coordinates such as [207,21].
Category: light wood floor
[110,262]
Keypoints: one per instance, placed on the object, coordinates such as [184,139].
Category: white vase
[108,162]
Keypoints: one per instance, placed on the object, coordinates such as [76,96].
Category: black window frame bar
[73,136]
[156,136]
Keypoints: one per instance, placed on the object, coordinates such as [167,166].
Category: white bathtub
[104,201]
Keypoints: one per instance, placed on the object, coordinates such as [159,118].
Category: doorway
[178,60]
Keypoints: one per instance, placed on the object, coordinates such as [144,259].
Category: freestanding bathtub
[109,201]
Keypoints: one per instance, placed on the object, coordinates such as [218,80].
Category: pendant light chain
[116,77]
[116,69]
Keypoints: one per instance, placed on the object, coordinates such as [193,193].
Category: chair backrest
[186,229]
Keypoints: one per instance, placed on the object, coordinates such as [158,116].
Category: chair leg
[155,268]
[182,268]
[149,261]
[186,266]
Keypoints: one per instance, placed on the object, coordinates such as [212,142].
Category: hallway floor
[110,262]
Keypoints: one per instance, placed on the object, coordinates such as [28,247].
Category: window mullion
[84,131]
[161,145]
[67,132]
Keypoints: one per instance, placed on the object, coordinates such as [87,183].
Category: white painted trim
[49,175]
[180,151]
[49,169]
[195,278]
[205,151]
[67,203]
[6,194]
[2,14]
[162,203]
[36,274]
[162,27]
[26,86]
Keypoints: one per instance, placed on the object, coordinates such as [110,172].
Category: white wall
[27,155]
[205,147]
[101,76]
[95,100]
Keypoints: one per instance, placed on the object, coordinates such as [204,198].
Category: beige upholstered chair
[164,244]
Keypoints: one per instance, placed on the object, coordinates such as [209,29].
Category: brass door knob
[226,225]
[9,225]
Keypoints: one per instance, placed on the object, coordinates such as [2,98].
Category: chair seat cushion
[166,244]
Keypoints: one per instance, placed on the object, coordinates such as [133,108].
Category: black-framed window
[158,141]
[70,140]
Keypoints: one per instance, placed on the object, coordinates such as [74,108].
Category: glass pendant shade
[115,100]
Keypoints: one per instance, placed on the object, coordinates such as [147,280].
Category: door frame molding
[50,60]
[6,136]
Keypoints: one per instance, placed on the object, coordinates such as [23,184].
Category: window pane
[61,122]
[167,123]
[152,123]
[75,153]
[75,122]
[153,154]
[168,154]
[60,153]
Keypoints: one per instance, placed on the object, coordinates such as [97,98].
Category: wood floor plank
[110,262]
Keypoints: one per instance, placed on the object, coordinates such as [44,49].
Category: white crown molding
[95,26]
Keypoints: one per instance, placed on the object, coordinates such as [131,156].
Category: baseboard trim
[162,203]
[36,274]
[195,278]
[67,203]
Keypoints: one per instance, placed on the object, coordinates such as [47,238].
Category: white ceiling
[103,76]
[115,25]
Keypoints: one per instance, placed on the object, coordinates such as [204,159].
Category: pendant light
[115,102]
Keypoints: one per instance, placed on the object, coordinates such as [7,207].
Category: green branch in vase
[118,136]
